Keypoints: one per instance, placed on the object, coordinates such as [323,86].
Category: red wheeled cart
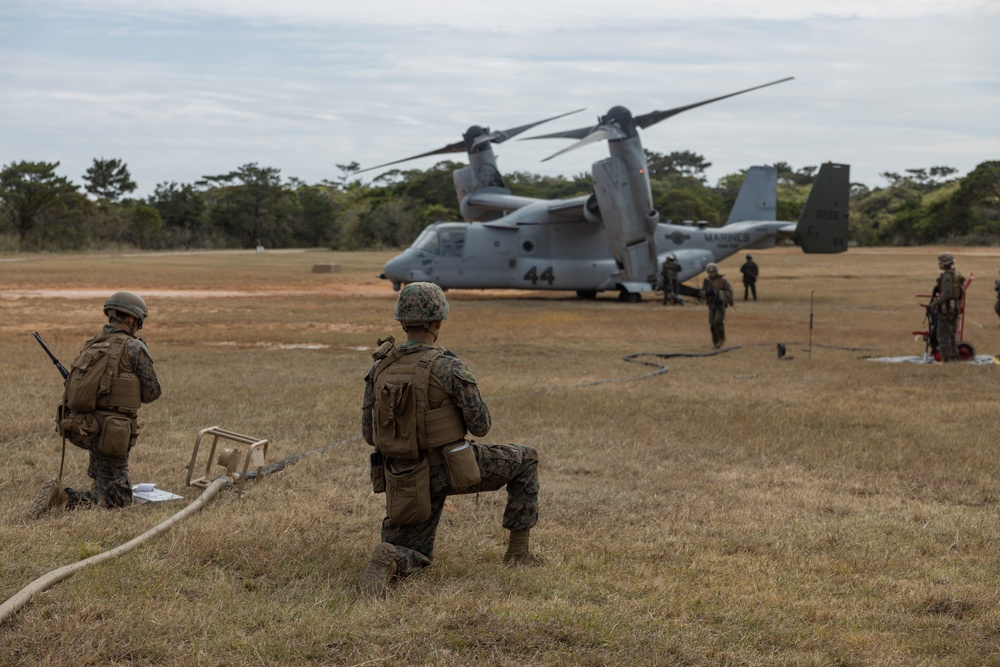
[965,349]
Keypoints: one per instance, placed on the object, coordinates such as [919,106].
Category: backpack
[92,381]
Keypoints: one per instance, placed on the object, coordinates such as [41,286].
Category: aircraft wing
[498,201]
[542,212]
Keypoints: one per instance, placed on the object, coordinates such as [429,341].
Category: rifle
[62,369]
[712,297]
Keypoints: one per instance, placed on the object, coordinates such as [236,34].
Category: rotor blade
[578,133]
[460,147]
[648,119]
[601,133]
[503,135]
[653,117]
[457,147]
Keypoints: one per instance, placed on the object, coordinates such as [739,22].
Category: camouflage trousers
[947,342]
[717,323]
[513,466]
[111,487]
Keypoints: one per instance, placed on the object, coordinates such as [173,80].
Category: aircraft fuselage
[556,256]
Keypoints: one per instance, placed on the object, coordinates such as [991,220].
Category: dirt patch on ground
[342,290]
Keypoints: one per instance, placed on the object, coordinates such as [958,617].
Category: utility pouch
[76,427]
[376,470]
[89,377]
[408,491]
[395,420]
[116,436]
[461,465]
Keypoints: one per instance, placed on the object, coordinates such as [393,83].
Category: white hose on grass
[22,597]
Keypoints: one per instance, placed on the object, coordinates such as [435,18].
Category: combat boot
[51,496]
[517,550]
[381,569]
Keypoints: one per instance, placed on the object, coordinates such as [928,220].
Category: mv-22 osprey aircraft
[611,239]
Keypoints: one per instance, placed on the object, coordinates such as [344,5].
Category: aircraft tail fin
[822,225]
[758,196]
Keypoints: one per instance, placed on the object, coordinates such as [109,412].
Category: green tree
[250,205]
[347,172]
[144,228]
[689,202]
[183,210]
[974,205]
[549,187]
[109,179]
[684,163]
[318,225]
[30,189]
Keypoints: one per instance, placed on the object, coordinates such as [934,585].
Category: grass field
[824,509]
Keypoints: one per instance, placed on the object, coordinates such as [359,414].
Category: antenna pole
[811,296]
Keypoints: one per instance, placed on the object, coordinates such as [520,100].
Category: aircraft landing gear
[587,294]
[629,297]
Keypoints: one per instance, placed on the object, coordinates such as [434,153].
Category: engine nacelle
[592,210]
[630,232]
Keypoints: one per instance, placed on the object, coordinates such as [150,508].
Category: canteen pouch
[116,436]
[376,470]
[408,491]
[461,465]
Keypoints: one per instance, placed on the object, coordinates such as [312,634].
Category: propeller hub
[621,117]
[474,137]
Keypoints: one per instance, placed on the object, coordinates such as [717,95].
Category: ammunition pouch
[408,491]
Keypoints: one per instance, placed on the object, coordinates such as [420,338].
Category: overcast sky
[179,89]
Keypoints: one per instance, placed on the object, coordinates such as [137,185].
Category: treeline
[40,210]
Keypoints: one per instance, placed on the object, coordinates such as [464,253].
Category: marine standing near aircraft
[611,239]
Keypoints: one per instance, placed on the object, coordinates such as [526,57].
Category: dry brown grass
[740,510]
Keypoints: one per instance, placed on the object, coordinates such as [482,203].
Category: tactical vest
[957,285]
[722,287]
[412,411]
[102,378]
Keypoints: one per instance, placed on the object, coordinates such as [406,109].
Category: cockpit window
[452,242]
[428,240]
[447,242]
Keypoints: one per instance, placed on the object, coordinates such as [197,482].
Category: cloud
[179,89]
[527,15]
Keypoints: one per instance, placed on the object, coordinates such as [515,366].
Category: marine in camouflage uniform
[111,487]
[407,549]
[671,285]
[947,304]
[718,292]
[750,272]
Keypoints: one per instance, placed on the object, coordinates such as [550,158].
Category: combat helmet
[127,302]
[712,268]
[945,260]
[421,302]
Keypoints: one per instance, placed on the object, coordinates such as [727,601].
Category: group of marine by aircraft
[611,239]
